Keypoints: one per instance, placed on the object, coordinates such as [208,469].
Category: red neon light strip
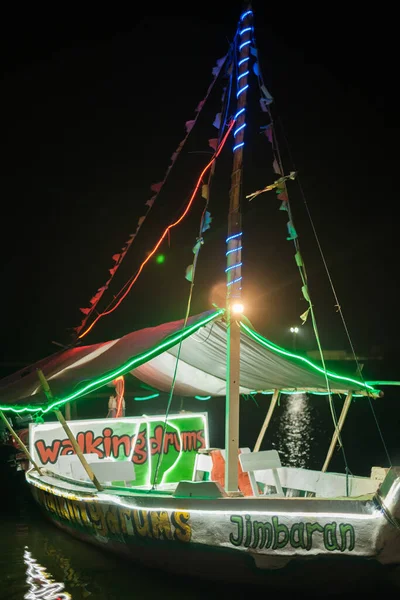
[146,260]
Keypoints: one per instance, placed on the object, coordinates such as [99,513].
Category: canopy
[150,355]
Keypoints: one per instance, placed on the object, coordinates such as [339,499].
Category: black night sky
[94,105]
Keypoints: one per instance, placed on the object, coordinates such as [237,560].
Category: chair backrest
[258,461]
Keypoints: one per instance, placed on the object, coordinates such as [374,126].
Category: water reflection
[41,585]
[294,434]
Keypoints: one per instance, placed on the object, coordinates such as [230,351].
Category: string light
[233,267]
[244,15]
[139,398]
[166,231]
[234,281]
[239,129]
[242,90]
[244,30]
[203,397]
[133,363]
[238,146]
[243,61]
[243,75]
[239,113]
[244,44]
[232,237]
[233,250]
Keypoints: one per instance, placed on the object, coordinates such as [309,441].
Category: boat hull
[243,540]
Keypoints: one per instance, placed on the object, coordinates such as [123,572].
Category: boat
[152,487]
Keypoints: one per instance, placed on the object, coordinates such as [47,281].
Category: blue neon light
[243,60]
[234,250]
[202,397]
[242,90]
[244,44]
[238,129]
[239,113]
[244,15]
[233,267]
[234,281]
[232,237]
[244,30]
[237,146]
[243,75]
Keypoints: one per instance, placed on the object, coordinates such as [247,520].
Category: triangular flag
[276,167]
[189,125]
[116,257]
[218,66]
[150,202]
[204,191]
[206,222]
[256,69]
[253,51]
[291,231]
[304,289]
[217,121]
[85,311]
[268,132]
[267,95]
[189,273]
[304,316]
[213,143]
[156,187]
[141,219]
[298,259]
[283,206]
[197,245]
[200,106]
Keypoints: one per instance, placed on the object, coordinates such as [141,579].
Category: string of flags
[156,188]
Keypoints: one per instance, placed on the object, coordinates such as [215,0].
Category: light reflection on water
[295,432]
[41,584]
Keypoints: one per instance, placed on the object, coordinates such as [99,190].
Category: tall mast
[233,255]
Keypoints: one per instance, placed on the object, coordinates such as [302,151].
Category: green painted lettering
[278,529]
[297,541]
[344,530]
[330,541]
[311,527]
[238,520]
[266,534]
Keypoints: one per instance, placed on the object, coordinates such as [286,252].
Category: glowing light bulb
[237,308]
[294,330]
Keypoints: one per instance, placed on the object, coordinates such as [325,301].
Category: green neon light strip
[269,393]
[383,382]
[203,397]
[134,362]
[140,398]
[264,342]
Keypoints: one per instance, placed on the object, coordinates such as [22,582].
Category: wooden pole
[71,437]
[68,411]
[234,276]
[338,429]
[271,408]
[20,442]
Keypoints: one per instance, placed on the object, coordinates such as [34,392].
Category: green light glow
[267,344]
[202,397]
[383,382]
[140,398]
[160,259]
[133,363]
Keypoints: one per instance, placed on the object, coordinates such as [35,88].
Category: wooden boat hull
[244,540]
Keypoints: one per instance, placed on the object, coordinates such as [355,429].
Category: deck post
[338,429]
[267,419]
[68,411]
[70,435]
[19,441]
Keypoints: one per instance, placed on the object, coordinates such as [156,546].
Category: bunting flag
[213,143]
[291,231]
[305,314]
[276,167]
[206,222]
[204,191]
[189,273]
[197,246]
[156,188]
[276,185]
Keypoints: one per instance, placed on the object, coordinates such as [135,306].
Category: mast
[233,255]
